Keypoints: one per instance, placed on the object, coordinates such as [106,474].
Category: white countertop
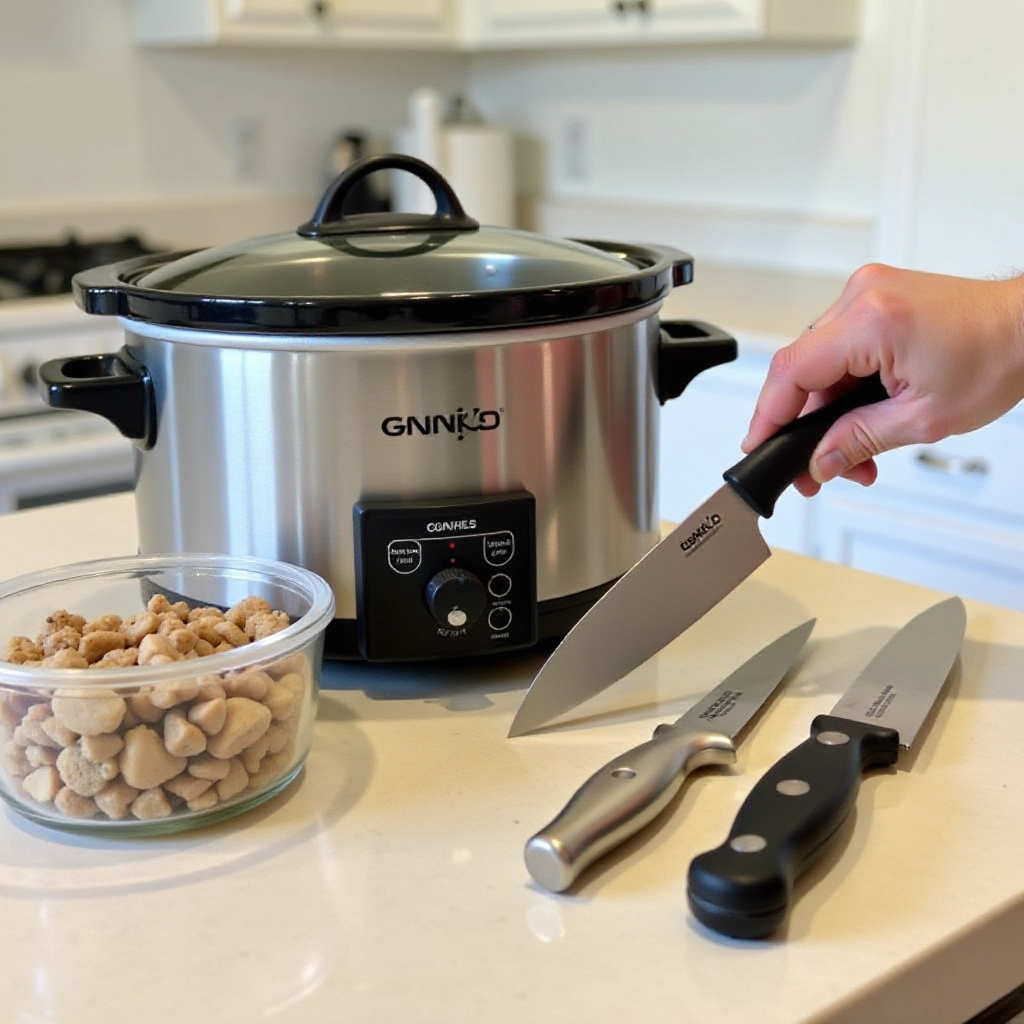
[761,307]
[388,884]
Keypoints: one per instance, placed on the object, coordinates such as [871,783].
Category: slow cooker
[456,425]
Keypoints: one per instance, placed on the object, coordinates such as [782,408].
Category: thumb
[860,435]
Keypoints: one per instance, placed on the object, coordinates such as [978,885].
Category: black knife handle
[744,887]
[761,477]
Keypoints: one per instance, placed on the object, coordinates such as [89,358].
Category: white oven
[48,455]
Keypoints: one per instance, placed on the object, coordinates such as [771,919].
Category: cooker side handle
[114,385]
[686,348]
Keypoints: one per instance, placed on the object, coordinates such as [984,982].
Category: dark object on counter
[387,397]
[349,148]
[31,270]
[744,887]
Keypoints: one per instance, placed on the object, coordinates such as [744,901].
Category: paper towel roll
[425,117]
[475,157]
[477,161]
[423,138]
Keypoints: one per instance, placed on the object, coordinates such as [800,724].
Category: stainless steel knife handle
[744,887]
[617,801]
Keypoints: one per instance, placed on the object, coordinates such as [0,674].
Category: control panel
[447,577]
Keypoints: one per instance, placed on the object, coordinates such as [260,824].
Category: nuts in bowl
[154,693]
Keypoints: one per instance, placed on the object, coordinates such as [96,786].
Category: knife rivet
[624,773]
[793,787]
[750,842]
[832,738]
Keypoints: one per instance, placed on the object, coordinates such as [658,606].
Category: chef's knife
[744,887]
[688,573]
[633,789]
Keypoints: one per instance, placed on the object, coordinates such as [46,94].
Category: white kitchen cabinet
[922,544]
[543,23]
[339,23]
[471,25]
[948,515]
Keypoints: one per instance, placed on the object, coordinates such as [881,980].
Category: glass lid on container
[385,273]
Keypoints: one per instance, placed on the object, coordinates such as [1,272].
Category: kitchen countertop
[762,307]
[387,884]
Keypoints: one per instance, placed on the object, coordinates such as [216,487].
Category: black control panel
[446,578]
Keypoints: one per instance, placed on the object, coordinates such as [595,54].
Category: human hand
[950,352]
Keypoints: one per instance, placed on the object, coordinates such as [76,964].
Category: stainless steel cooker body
[267,451]
[456,425]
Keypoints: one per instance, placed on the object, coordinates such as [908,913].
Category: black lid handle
[329,218]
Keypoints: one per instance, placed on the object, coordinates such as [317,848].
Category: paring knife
[633,789]
[688,573]
[744,887]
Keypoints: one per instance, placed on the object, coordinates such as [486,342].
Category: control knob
[456,598]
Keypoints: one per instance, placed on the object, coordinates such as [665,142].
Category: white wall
[963,208]
[90,124]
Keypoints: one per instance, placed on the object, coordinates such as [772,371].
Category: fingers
[848,449]
[816,364]
[848,340]
[845,341]
[864,473]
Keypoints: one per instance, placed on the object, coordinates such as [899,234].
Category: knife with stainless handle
[705,558]
[744,887]
[633,789]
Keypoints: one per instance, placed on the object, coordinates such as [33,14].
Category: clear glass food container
[215,716]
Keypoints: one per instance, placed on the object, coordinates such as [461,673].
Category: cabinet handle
[622,7]
[952,465]
[319,9]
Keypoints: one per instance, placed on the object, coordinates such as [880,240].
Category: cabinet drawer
[863,530]
[980,472]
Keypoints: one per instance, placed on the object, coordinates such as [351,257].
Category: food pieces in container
[177,713]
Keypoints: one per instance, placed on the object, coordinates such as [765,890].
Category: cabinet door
[568,22]
[271,12]
[420,23]
[972,559]
[350,19]
[969,474]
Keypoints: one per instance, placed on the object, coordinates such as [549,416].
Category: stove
[49,455]
[46,268]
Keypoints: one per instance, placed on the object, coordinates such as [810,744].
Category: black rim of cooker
[353,315]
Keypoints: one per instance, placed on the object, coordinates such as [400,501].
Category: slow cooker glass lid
[385,273]
[386,265]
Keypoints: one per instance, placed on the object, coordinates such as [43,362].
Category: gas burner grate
[31,270]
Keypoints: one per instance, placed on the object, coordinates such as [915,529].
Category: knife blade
[744,887]
[706,557]
[630,791]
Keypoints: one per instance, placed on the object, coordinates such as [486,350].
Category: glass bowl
[154,693]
